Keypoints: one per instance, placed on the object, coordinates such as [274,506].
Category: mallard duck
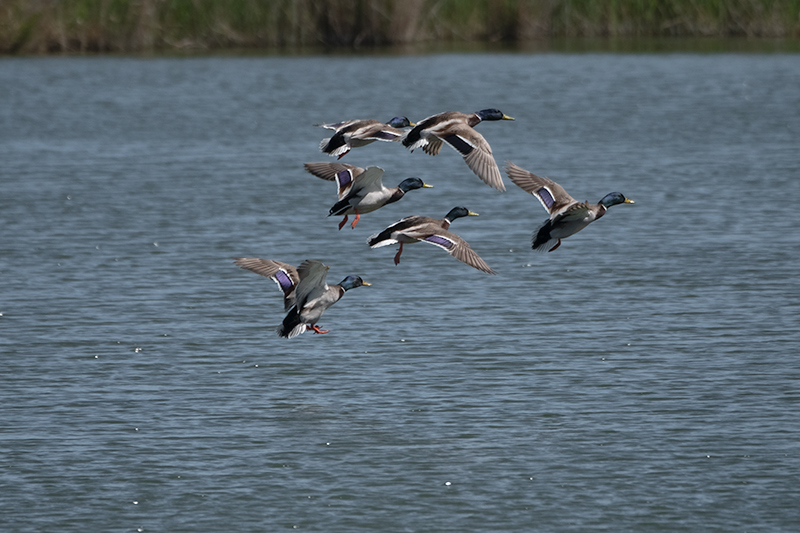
[567,215]
[356,133]
[360,190]
[425,229]
[306,294]
[457,130]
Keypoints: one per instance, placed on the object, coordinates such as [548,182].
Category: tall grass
[46,26]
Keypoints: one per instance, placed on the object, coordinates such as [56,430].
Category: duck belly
[313,309]
[371,201]
[567,229]
[355,142]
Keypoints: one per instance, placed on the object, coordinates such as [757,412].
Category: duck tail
[542,241]
[383,238]
[413,139]
[339,207]
[292,325]
[335,146]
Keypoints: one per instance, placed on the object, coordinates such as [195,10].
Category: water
[643,377]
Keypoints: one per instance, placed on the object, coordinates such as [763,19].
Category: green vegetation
[47,26]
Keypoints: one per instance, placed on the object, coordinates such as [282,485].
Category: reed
[48,26]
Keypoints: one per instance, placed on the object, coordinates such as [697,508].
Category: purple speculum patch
[441,241]
[389,136]
[546,197]
[283,280]
[344,178]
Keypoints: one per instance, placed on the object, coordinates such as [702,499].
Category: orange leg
[556,246]
[344,154]
[343,222]
[358,217]
[316,329]
[397,255]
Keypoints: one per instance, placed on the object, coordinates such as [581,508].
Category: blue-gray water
[643,377]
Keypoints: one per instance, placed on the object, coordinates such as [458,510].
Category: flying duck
[457,130]
[567,215]
[356,133]
[306,294]
[360,190]
[425,229]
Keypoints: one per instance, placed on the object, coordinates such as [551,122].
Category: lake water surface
[643,377]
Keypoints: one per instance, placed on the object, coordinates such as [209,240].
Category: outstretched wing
[378,131]
[312,284]
[433,146]
[552,195]
[476,153]
[344,175]
[369,180]
[337,125]
[285,275]
[329,171]
[458,248]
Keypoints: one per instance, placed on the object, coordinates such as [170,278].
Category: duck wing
[476,153]
[577,216]
[285,275]
[368,181]
[433,146]
[457,247]
[336,126]
[329,171]
[312,283]
[552,196]
[378,131]
[344,175]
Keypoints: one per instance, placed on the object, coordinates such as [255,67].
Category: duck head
[409,184]
[614,198]
[401,122]
[492,114]
[458,212]
[351,282]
